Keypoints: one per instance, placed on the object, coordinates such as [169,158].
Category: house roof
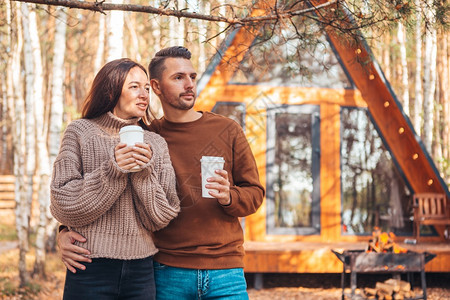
[364,74]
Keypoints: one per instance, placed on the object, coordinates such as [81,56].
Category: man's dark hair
[156,66]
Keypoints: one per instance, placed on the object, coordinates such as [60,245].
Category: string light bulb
[430,181]
[415,156]
[386,104]
[401,130]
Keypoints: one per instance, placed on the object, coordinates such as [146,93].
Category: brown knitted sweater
[115,209]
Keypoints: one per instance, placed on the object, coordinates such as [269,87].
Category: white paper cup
[209,165]
[131,135]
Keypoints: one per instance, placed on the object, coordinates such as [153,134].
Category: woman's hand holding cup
[132,153]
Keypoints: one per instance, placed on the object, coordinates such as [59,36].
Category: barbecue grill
[360,261]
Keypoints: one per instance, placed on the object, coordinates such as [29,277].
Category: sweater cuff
[151,162]
[62,227]
[145,169]
[231,199]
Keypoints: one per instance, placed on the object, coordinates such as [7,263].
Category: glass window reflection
[374,192]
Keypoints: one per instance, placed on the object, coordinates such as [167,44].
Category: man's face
[177,88]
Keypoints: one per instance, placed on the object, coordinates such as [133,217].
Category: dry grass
[49,288]
[276,286]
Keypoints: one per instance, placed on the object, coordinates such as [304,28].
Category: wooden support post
[258,281]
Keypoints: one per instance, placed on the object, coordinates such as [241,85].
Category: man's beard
[180,104]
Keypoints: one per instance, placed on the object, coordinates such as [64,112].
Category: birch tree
[156,27]
[133,49]
[429,77]
[418,97]
[442,144]
[16,112]
[4,122]
[101,43]
[446,108]
[36,137]
[401,36]
[202,35]
[47,224]
[30,141]
[115,33]
[177,28]
[221,25]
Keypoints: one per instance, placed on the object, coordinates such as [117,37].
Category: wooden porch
[316,257]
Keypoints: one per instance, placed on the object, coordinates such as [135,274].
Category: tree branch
[101,6]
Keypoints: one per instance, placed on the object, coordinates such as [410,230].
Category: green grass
[8,232]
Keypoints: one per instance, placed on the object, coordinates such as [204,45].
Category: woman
[95,193]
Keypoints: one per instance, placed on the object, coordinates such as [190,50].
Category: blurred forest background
[51,53]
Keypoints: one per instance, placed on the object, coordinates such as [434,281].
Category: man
[201,251]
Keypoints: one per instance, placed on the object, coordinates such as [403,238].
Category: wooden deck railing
[7,200]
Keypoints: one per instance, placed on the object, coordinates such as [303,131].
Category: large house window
[374,192]
[293,137]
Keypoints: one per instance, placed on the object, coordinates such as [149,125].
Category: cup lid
[131,128]
[212,159]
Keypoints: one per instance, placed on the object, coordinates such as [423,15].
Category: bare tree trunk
[176,28]
[57,110]
[221,25]
[29,115]
[35,113]
[182,25]
[429,80]
[441,148]
[156,28]
[17,105]
[35,95]
[386,56]
[202,36]
[133,50]
[401,35]
[446,108]
[418,98]
[115,33]
[4,124]
[101,43]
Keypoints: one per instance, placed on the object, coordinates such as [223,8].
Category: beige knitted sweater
[115,209]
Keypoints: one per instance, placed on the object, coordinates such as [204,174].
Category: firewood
[399,285]
[405,286]
[373,247]
[383,295]
[370,291]
[398,296]
[386,288]
[410,294]
[395,283]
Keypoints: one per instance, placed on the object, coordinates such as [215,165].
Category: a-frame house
[335,150]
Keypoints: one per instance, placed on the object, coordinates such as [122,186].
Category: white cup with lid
[209,165]
[131,135]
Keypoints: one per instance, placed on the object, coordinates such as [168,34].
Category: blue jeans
[108,279]
[189,284]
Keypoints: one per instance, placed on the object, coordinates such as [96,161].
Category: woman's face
[134,99]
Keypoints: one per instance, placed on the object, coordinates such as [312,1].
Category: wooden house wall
[307,253]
